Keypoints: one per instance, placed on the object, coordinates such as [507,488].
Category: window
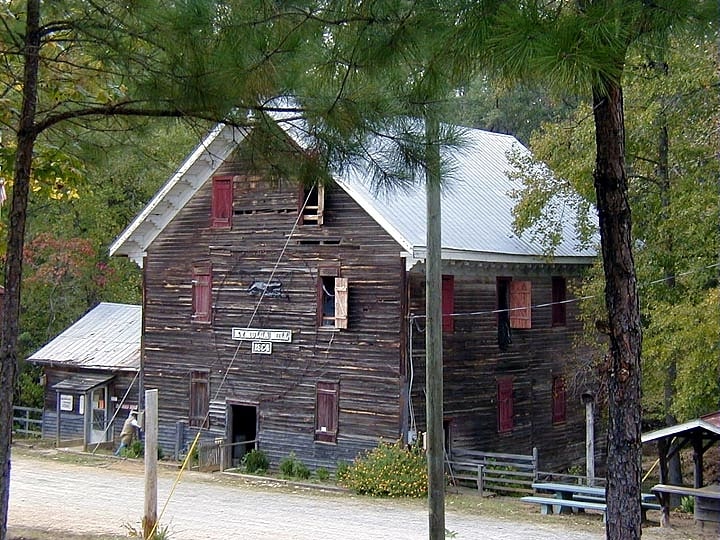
[202,293]
[332,299]
[505,404]
[559,400]
[448,303]
[222,202]
[326,411]
[312,205]
[199,398]
[559,295]
[504,335]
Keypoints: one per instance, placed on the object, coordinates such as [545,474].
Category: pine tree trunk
[623,366]
[16,239]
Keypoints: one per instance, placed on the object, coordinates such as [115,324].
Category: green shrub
[390,470]
[322,474]
[687,505]
[342,470]
[255,461]
[137,450]
[292,467]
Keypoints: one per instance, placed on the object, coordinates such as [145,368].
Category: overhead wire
[191,450]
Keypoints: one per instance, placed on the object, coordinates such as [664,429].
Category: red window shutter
[520,302]
[448,303]
[559,295]
[505,404]
[222,201]
[199,398]
[202,294]
[326,414]
[559,400]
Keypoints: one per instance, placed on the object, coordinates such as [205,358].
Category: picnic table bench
[563,498]
[707,502]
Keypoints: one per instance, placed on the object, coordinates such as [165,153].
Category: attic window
[222,202]
[312,205]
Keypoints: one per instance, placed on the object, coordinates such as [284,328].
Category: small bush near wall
[390,470]
[255,461]
[292,467]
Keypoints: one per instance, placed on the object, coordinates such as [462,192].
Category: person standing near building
[127,435]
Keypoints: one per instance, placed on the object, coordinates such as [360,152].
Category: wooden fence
[511,474]
[27,421]
[215,456]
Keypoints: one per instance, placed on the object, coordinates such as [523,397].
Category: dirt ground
[70,495]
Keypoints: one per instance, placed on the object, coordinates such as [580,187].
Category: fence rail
[27,421]
[214,456]
[494,472]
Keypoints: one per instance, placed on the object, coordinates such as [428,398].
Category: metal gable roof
[476,205]
[477,219]
[107,337]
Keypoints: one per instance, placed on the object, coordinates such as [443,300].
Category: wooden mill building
[292,317]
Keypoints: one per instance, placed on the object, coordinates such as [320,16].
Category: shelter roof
[706,427]
[107,337]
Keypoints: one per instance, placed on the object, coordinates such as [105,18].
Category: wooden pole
[151,443]
[590,439]
[433,336]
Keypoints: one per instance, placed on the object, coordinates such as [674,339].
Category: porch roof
[82,382]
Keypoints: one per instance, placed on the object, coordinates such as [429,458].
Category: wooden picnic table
[567,491]
[573,495]
[707,502]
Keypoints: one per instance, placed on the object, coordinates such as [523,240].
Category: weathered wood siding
[473,363]
[264,243]
[72,423]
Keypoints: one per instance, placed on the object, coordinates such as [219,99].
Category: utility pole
[150,427]
[433,333]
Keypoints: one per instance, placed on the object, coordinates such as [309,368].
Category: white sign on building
[256,334]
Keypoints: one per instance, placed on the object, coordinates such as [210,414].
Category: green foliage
[28,391]
[342,470]
[687,505]
[292,467]
[390,470]
[137,450]
[256,461]
[162,532]
[322,474]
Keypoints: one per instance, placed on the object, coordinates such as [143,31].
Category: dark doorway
[243,431]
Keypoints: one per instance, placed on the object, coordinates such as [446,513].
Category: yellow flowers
[390,470]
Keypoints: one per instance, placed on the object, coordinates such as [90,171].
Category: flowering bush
[390,470]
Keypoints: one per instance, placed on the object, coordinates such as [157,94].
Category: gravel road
[104,498]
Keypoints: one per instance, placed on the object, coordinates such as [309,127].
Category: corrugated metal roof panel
[477,204]
[107,337]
